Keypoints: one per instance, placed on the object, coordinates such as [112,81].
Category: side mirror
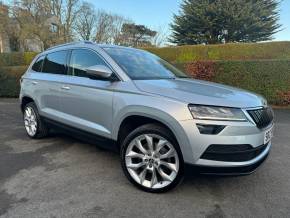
[99,71]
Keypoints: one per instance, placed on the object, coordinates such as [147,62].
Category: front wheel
[151,158]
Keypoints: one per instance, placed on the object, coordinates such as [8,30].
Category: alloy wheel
[30,121]
[152,161]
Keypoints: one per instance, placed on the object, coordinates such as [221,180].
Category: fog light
[209,129]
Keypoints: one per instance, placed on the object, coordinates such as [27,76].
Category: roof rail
[71,43]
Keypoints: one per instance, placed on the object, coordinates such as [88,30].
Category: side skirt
[102,142]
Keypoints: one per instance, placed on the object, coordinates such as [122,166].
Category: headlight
[217,113]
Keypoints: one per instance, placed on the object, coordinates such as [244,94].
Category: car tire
[34,126]
[155,150]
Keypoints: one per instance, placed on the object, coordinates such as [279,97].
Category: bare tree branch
[86,21]
[161,36]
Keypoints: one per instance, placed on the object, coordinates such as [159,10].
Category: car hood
[201,92]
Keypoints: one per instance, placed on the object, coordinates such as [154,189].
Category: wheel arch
[133,121]
[151,115]
[25,100]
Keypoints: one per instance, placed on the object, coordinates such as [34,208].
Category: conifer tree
[219,21]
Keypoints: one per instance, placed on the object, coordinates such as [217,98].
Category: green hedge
[231,51]
[9,80]
[270,78]
[16,58]
[182,54]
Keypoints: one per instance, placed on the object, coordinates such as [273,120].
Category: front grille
[262,117]
[232,153]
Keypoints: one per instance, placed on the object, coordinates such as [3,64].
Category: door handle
[34,82]
[65,88]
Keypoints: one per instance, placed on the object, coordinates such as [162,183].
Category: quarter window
[55,63]
[81,59]
[38,64]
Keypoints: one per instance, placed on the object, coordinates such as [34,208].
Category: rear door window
[55,63]
[37,66]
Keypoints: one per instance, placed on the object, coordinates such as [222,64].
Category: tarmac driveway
[63,177]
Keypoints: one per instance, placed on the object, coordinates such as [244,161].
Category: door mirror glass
[99,71]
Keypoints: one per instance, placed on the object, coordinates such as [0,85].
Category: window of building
[53,28]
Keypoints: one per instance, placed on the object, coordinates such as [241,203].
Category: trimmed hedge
[189,53]
[9,80]
[270,78]
[16,58]
[231,51]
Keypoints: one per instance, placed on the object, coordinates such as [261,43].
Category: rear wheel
[151,159]
[34,126]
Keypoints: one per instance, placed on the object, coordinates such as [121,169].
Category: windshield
[142,65]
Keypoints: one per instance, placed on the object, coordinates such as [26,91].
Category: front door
[86,103]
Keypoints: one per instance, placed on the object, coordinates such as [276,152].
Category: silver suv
[158,118]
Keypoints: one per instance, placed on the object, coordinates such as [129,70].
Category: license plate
[268,135]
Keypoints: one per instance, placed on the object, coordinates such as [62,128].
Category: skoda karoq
[157,117]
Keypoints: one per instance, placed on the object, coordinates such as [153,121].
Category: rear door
[86,103]
[45,80]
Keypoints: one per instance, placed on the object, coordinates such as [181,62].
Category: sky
[159,13]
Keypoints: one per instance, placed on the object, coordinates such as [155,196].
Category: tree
[160,37]
[103,26]
[116,28]
[30,20]
[86,21]
[108,27]
[221,21]
[36,17]
[136,35]
[71,10]
[6,29]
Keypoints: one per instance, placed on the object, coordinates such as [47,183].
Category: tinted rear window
[55,63]
[37,66]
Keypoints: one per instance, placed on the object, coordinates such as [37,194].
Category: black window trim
[68,73]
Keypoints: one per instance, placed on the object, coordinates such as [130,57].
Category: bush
[28,57]
[270,78]
[285,97]
[16,58]
[203,70]
[231,51]
[9,80]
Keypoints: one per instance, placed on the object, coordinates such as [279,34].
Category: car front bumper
[229,170]
[232,168]
[235,134]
